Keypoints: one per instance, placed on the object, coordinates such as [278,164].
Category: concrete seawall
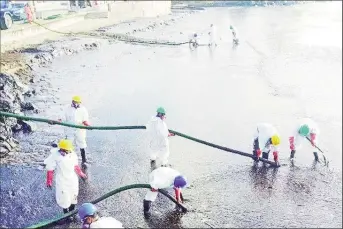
[104,15]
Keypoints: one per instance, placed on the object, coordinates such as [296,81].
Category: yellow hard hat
[77,99]
[275,140]
[65,145]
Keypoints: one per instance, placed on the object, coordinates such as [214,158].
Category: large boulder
[11,100]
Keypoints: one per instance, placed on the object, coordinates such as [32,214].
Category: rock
[15,141]
[27,126]
[5,125]
[12,143]
[5,148]
[27,106]
[28,94]
[68,52]
[16,128]
[55,53]
[6,102]
[8,143]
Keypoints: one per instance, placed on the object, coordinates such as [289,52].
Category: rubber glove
[49,178]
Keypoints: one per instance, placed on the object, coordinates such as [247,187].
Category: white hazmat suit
[161,178]
[106,222]
[76,117]
[212,35]
[158,137]
[67,182]
[263,133]
[296,139]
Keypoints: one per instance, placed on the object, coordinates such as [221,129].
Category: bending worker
[267,138]
[307,128]
[75,113]
[63,162]
[88,214]
[158,134]
[163,178]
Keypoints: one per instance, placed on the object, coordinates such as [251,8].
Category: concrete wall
[104,15]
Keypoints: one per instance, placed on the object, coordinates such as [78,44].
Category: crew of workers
[267,139]
[63,161]
[212,33]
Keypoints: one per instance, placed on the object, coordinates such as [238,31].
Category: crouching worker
[307,128]
[64,163]
[163,178]
[88,214]
[267,138]
[193,42]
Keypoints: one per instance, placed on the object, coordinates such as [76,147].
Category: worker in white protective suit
[212,35]
[266,139]
[234,35]
[64,164]
[158,136]
[163,178]
[88,214]
[306,128]
[75,113]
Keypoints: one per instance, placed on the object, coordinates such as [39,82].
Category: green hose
[6,114]
[27,118]
[107,195]
[223,148]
